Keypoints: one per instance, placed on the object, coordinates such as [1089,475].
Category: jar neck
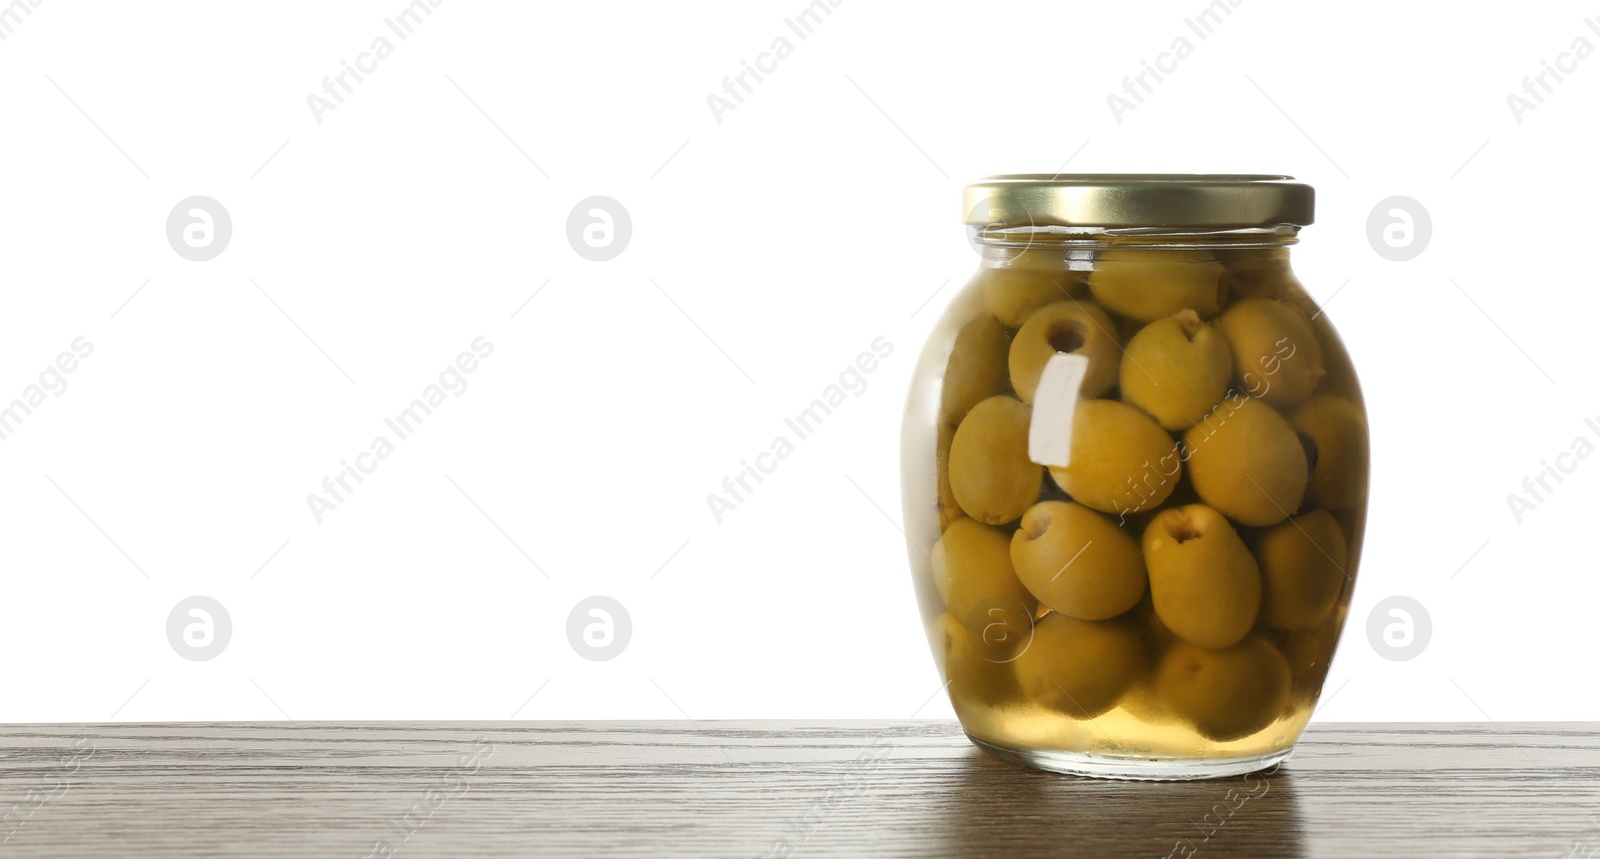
[1003,243]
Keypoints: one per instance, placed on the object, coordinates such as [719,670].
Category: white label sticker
[1050,433]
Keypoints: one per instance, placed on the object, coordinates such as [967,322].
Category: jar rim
[1141,200]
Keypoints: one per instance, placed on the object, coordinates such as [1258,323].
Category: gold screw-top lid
[1134,200]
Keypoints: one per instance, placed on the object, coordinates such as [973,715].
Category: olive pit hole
[1183,530]
[1066,337]
[1035,526]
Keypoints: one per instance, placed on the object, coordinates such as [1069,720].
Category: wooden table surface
[770,788]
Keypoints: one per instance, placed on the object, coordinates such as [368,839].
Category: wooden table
[770,788]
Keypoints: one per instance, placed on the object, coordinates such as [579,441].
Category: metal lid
[1118,200]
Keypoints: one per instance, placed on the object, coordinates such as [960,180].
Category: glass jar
[1135,476]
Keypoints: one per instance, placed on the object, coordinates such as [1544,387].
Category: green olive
[1204,582]
[1309,652]
[1303,563]
[1258,273]
[1073,327]
[1303,305]
[1141,703]
[1013,294]
[991,475]
[1147,284]
[1127,328]
[976,370]
[976,678]
[1077,561]
[1080,667]
[949,508]
[1276,355]
[1157,637]
[1121,461]
[1176,369]
[1335,437]
[972,570]
[1226,694]
[1245,460]
[1340,378]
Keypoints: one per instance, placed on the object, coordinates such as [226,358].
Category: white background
[767,251]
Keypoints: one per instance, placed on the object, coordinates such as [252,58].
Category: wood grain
[769,788]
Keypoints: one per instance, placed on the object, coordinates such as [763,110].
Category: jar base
[1132,768]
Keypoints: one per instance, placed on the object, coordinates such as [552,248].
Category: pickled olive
[1339,378]
[1127,328]
[1074,327]
[1204,583]
[1257,273]
[991,476]
[1353,522]
[1013,294]
[1226,694]
[1334,435]
[1079,667]
[1121,460]
[1148,284]
[976,370]
[1303,569]
[1176,369]
[1140,702]
[1301,303]
[1276,356]
[1245,460]
[1077,561]
[972,571]
[1309,652]
[1156,634]
[976,676]
[949,508]
[1136,522]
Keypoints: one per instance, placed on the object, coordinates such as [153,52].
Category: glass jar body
[1135,478]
